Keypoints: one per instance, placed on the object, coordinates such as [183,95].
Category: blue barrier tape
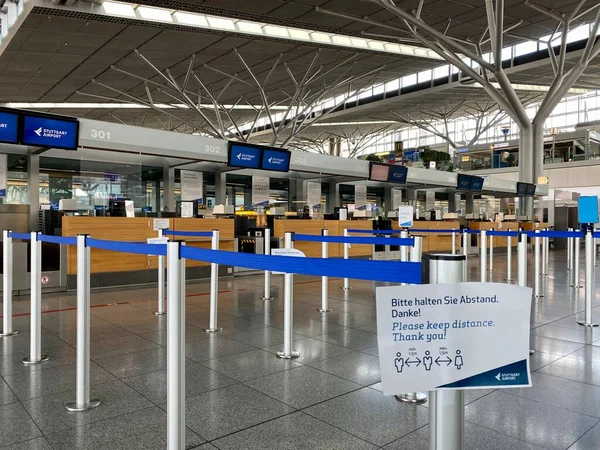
[24,236]
[386,271]
[503,233]
[375,231]
[555,234]
[64,240]
[188,233]
[410,230]
[129,247]
[405,242]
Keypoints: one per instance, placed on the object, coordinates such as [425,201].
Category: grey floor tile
[541,359]
[192,334]
[117,398]
[302,386]
[119,346]
[293,432]
[313,350]
[6,395]
[476,438]
[349,320]
[370,416]
[351,338]
[98,333]
[32,444]
[529,421]
[587,353]
[140,430]
[574,369]
[262,338]
[16,425]
[250,365]
[314,327]
[589,441]
[51,381]
[355,366]
[59,356]
[583,335]
[224,411]
[198,379]
[137,363]
[215,347]
[554,346]
[19,344]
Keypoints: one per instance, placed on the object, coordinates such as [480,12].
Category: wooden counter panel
[225,227]
[312,227]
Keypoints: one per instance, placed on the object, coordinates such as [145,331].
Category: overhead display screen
[44,131]
[379,172]
[9,127]
[464,182]
[521,189]
[246,156]
[531,189]
[276,159]
[476,183]
[398,174]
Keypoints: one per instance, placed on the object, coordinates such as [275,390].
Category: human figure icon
[427,360]
[458,360]
[399,362]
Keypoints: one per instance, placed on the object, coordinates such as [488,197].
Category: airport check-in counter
[120,269]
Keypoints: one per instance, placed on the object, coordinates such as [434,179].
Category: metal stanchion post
[491,245]
[576,258]
[589,276]
[544,254]
[453,241]
[161,282]
[446,408]
[537,266]
[82,398]
[35,346]
[482,254]
[324,280]
[404,248]
[570,253]
[509,258]
[346,256]
[175,347]
[465,252]
[267,296]
[7,285]
[414,397]
[288,312]
[522,263]
[214,287]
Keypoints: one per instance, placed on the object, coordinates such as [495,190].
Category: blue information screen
[398,174]
[587,210]
[9,126]
[476,183]
[47,132]
[244,156]
[278,160]
[464,182]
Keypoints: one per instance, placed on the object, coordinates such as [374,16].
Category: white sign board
[293,252]
[360,196]
[160,224]
[405,216]
[191,186]
[396,198]
[157,240]
[129,209]
[313,194]
[187,210]
[3,169]
[453,336]
[260,191]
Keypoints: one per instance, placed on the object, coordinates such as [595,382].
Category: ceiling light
[190,19]
[160,14]
[394,48]
[220,22]
[357,42]
[299,34]
[341,40]
[249,27]
[119,9]
[272,30]
[376,45]
[321,37]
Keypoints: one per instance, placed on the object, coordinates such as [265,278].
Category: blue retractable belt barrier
[405,242]
[129,247]
[375,231]
[65,240]
[503,233]
[188,233]
[386,271]
[24,236]
[410,230]
[555,234]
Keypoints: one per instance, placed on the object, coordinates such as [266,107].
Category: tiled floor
[240,396]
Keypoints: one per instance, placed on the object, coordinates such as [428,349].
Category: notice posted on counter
[453,336]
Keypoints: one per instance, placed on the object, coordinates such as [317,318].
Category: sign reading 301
[100,134]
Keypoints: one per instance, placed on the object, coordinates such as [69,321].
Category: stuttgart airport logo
[38,131]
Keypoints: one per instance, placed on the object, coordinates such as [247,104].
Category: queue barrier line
[554,234]
[503,233]
[405,242]
[22,236]
[188,233]
[128,247]
[62,240]
[417,230]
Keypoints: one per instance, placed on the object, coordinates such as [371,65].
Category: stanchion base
[266,299]
[531,352]
[509,280]
[324,310]
[158,313]
[213,330]
[29,362]
[416,398]
[292,355]
[12,333]
[588,325]
[74,407]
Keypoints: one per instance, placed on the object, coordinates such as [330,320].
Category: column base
[158,313]
[416,398]
[324,310]
[587,325]
[213,330]
[9,334]
[29,362]
[292,355]
[74,407]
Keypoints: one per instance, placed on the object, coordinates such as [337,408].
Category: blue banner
[54,133]
[9,127]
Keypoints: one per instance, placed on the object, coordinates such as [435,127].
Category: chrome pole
[465,244]
[346,256]
[214,287]
[544,254]
[267,238]
[7,285]
[35,342]
[482,255]
[537,266]
[453,241]
[175,347]
[161,281]
[324,280]
[589,277]
[509,258]
[570,254]
[522,260]
[576,258]
[82,398]
[491,242]
[288,312]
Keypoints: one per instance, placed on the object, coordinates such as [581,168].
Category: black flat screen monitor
[521,189]
[379,171]
[531,190]
[398,174]
[476,183]
[463,182]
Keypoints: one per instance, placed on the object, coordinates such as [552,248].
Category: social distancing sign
[453,336]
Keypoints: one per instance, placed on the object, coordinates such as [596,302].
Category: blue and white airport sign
[9,127]
[49,132]
[245,156]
